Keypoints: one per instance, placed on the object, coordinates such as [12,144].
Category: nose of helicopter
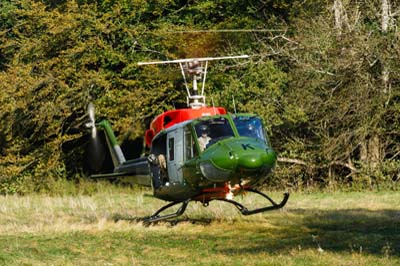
[252,161]
[232,158]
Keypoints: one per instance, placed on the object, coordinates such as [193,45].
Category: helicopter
[196,154]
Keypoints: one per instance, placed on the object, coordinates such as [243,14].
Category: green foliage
[256,88]
[319,92]
[59,55]
[339,83]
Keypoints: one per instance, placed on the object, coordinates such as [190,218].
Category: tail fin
[117,156]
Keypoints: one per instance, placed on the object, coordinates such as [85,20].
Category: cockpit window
[249,126]
[211,130]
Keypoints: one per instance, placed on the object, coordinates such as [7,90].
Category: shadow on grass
[351,230]
[170,222]
[357,230]
[118,217]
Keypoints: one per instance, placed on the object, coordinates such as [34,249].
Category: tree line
[323,75]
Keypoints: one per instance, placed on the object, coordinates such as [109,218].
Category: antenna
[197,69]
[212,100]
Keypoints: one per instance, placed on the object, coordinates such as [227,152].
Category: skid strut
[156,216]
[273,206]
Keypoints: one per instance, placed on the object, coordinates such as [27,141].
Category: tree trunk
[374,151]
[385,15]
[338,11]
[385,27]
[371,151]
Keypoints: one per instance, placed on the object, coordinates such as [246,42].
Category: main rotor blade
[202,59]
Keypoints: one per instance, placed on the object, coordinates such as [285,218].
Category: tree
[59,55]
[338,81]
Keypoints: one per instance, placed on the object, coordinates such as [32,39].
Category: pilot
[251,131]
[204,139]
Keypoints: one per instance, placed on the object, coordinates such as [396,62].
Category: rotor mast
[197,69]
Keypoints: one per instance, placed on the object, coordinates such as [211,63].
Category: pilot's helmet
[250,127]
[203,129]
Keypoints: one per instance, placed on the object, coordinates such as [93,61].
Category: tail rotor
[92,120]
[96,150]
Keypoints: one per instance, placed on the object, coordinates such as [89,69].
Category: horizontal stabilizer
[133,171]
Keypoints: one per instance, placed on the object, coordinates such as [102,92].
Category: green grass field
[360,228]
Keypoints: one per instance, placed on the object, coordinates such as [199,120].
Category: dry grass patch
[314,229]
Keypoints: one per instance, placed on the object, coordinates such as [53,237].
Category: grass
[351,228]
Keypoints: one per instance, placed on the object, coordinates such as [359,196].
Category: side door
[175,155]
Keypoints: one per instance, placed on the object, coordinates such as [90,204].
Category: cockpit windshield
[211,130]
[249,126]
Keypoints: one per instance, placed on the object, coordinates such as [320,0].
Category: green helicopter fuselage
[213,153]
[206,158]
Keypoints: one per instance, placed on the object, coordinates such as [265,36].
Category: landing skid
[274,206]
[243,210]
[156,216]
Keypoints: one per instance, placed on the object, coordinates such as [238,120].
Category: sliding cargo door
[175,155]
